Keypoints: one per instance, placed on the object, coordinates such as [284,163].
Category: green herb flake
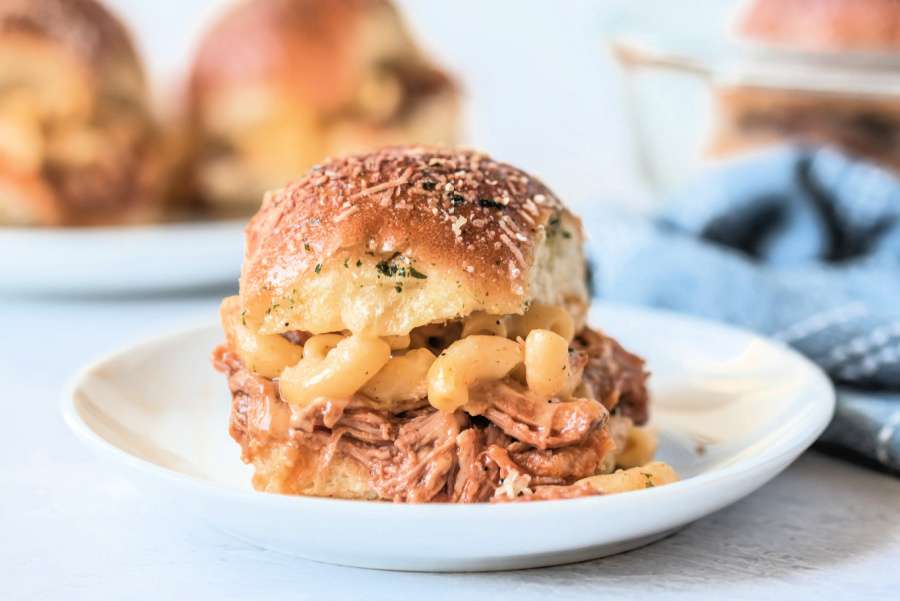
[386,269]
[398,287]
[566,234]
[244,317]
[358,263]
[417,274]
[318,268]
[648,480]
[306,247]
[346,262]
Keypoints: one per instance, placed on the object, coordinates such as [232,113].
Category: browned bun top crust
[823,25]
[405,236]
[80,145]
[312,49]
[85,27]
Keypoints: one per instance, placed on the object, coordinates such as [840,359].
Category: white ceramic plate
[120,260]
[733,410]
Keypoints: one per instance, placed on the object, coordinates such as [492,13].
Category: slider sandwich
[411,328]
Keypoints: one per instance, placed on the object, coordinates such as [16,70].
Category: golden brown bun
[285,468]
[76,137]
[85,29]
[385,242]
[823,25]
[278,85]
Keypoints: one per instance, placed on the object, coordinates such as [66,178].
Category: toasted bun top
[84,28]
[388,241]
[315,52]
[823,25]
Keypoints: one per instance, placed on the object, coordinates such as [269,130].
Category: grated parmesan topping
[457,226]
[489,212]
[345,213]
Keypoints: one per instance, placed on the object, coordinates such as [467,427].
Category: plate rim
[816,414]
[156,258]
[82,232]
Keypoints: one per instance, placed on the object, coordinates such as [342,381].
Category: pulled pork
[614,376]
[504,446]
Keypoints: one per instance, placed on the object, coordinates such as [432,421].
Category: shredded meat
[504,446]
[474,479]
[296,337]
[422,458]
[561,466]
[542,424]
[614,376]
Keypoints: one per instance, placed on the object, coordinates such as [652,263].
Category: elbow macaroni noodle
[640,447]
[318,346]
[397,343]
[484,324]
[546,363]
[393,369]
[402,378]
[339,374]
[263,354]
[653,474]
[543,317]
[465,362]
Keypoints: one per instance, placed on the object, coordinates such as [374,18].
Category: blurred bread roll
[822,25]
[279,85]
[77,141]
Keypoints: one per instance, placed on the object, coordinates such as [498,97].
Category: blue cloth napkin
[800,244]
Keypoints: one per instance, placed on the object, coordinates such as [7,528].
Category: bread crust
[278,85]
[823,25]
[385,242]
[85,28]
[303,46]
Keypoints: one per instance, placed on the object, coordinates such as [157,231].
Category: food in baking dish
[823,25]
[277,85]
[411,327]
[817,39]
[77,142]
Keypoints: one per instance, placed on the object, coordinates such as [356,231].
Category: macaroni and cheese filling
[486,408]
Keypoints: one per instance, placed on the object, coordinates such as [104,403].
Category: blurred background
[731,159]
[539,82]
[753,147]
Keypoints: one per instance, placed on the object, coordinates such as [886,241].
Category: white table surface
[73,528]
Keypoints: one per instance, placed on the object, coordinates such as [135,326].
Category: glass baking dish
[691,102]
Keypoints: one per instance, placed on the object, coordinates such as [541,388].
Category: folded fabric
[802,245]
